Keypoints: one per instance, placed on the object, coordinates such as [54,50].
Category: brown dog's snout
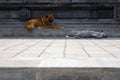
[50,20]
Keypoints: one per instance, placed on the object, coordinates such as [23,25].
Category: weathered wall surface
[72,14]
[61,8]
[59,74]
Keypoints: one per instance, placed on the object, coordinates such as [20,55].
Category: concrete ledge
[21,32]
[44,1]
[59,74]
[55,59]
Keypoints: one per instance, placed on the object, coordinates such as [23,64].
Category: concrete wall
[59,74]
[60,8]
[112,31]
[39,1]
[71,14]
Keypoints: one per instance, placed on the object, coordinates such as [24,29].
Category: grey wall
[39,1]
[59,74]
[61,8]
[71,14]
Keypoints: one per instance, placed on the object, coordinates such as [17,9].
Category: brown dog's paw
[61,27]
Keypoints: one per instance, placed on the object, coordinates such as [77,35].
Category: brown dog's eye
[46,16]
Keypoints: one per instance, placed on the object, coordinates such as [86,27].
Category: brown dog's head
[50,18]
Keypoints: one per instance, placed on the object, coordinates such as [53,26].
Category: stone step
[66,21]
[21,32]
[15,28]
[85,21]
[59,74]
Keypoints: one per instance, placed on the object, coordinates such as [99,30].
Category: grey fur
[87,34]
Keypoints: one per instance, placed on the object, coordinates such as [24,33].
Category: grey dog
[86,34]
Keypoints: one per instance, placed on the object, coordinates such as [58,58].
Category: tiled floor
[59,52]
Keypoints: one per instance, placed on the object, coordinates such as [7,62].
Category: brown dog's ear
[46,16]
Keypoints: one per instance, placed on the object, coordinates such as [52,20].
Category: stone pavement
[60,53]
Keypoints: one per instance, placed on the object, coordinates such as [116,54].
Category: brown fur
[44,22]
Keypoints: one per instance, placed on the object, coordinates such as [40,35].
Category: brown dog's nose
[51,20]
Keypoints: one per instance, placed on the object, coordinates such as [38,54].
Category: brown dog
[44,22]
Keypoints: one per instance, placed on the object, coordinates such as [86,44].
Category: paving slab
[60,53]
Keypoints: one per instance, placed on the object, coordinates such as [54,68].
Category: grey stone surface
[17,74]
[81,16]
[80,74]
[8,14]
[11,1]
[60,74]
[5,32]
[13,28]
[118,13]
[69,14]
[59,13]
[59,59]
[43,1]
[17,31]
[83,10]
[94,0]
[59,53]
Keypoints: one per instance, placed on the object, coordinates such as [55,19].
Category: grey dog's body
[86,34]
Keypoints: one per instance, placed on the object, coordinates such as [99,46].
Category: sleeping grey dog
[86,34]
